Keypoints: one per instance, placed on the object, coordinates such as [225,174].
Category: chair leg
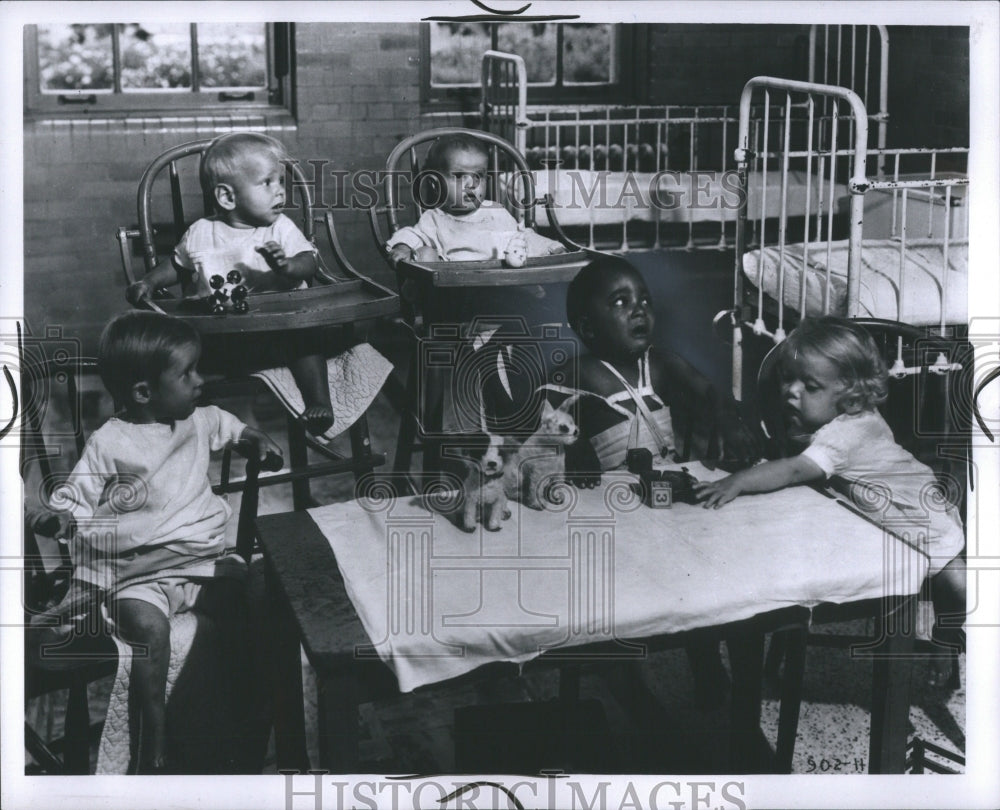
[76,735]
[298,459]
[407,425]
[361,446]
[794,644]
[775,655]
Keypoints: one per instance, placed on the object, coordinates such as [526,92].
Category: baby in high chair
[146,469]
[832,379]
[459,225]
[626,387]
[242,172]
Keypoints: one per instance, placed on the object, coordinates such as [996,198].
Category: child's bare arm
[300,267]
[766,477]
[163,275]
[260,441]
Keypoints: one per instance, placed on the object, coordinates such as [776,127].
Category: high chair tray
[323,305]
[494,273]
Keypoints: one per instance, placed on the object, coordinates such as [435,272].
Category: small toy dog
[483,489]
[540,461]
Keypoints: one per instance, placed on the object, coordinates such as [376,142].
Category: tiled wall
[358,95]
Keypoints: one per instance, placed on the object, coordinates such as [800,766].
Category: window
[78,67]
[564,61]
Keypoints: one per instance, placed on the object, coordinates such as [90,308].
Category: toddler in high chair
[146,469]
[832,378]
[460,225]
[626,387]
[242,172]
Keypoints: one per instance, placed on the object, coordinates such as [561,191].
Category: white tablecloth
[439,602]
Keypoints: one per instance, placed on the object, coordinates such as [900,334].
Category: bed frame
[907,222]
[665,147]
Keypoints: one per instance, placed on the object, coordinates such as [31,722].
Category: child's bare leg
[147,629]
[310,376]
[948,594]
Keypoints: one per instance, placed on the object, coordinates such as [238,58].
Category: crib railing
[914,198]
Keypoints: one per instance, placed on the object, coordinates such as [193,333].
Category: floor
[637,718]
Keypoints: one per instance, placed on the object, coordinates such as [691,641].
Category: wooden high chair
[342,301]
[432,293]
[48,384]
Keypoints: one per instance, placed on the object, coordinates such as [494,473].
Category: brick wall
[357,96]
[928,86]
[709,64]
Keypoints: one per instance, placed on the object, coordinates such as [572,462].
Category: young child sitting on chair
[832,379]
[146,469]
[242,173]
[628,384]
[459,225]
[626,387]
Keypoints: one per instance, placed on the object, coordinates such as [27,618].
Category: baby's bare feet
[317,419]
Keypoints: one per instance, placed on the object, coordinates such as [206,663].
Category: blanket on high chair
[355,377]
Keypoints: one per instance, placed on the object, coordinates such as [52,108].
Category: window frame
[278,95]
[630,50]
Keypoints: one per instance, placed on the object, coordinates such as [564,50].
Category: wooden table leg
[794,642]
[289,714]
[339,726]
[746,656]
[891,670]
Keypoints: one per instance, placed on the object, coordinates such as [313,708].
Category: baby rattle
[230,288]
[517,249]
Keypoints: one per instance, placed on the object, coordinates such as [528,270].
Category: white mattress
[917,300]
[586,197]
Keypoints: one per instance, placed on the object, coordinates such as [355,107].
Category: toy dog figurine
[541,461]
[483,489]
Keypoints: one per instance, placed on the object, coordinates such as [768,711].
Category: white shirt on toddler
[887,483]
[211,247]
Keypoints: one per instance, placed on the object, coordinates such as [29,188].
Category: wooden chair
[437,294]
[930,382]
[90,655]
[345,301]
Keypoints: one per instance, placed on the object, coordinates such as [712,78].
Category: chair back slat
[176,198]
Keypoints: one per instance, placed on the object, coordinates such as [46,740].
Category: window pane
[156,55]
[232,55]
[457,51]
[75,57]
[587,53]
[535,43]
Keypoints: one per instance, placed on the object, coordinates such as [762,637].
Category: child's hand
[274,255]
[49,523]
[516,253]
[260,442]
[718,493]
[136,292]
[401,253]
[426,254]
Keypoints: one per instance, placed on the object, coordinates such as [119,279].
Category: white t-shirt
[211,247]
[482,235]
[887,483]
[142,499]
